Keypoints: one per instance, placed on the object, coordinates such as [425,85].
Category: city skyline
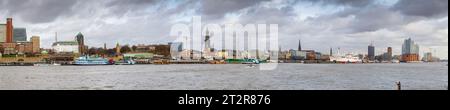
[347,24]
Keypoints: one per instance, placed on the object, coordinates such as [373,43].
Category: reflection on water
[240,77]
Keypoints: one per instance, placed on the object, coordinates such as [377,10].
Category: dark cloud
[38,11]
[218,8]
[352,3]
[268,15]
[123,6]
[424,8]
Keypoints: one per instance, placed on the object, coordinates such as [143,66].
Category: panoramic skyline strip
[321,24]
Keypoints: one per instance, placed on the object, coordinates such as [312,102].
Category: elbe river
[413,76]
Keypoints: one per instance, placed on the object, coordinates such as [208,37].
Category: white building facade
[65,47]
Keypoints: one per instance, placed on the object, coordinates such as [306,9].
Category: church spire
[299,45]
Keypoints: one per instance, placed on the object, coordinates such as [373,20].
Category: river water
[414,76]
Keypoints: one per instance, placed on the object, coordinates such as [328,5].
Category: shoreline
[228,76]
[49,64]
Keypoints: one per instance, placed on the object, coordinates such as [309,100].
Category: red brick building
[410,57]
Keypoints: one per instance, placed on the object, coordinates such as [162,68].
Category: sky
[351,25]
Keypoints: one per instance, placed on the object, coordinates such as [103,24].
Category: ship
[86,60]
[349,58]
[125,62]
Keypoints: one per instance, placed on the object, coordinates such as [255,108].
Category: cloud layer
[321,24]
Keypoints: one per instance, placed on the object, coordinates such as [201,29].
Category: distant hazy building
[371,52]
[20,34]
[428,57]
[35,40]
[2,32]
[410,51]
[65,47]
[389,54]
[331,51]
[175,49]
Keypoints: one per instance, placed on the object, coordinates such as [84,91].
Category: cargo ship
[242,61]
[349,58]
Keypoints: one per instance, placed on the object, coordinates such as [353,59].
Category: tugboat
[86,60]
[125,62]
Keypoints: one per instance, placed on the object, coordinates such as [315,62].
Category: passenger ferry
[86,60]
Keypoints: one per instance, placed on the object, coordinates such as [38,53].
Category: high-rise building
[427,57]
[20,34]
[331,51]
[2,32]
[410,51]
[371,52]
[81,47]
[36,44]
[409,47]
[389,54]
[9,30]
[207,42]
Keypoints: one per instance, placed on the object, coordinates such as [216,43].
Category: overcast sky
[349,24]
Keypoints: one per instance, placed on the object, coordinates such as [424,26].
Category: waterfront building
[317,55]
[22,47]
[191,55]
[297,55]
[66,47]
[9,48]
[410,51]
[385,57]
[175,49]
[20,34]
[138,55]
[18,44]
[157,49]
[222,54]
[36,42]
